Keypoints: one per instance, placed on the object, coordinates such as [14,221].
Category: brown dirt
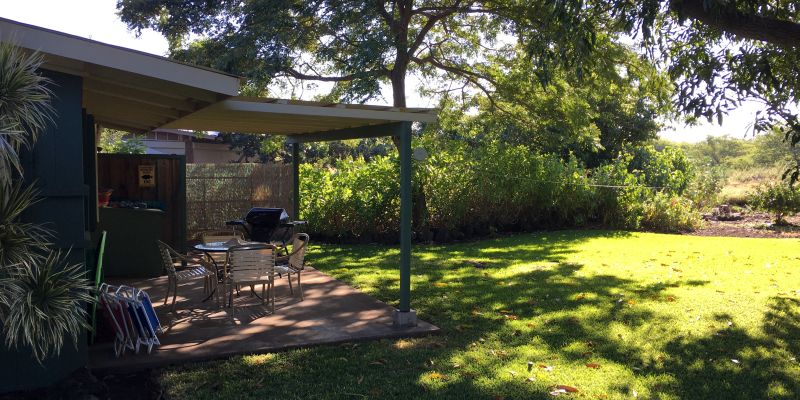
[752,225]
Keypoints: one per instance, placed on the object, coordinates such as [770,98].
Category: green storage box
[131,248]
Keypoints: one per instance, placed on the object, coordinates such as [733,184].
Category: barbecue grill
[267,225]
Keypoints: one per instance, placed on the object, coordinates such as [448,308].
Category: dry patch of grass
[741,182]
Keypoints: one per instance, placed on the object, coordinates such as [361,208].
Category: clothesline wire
[528,178]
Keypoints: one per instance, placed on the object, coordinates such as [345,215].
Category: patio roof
[294,117]
[123,88]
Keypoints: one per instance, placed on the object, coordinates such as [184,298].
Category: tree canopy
[717,53]
[358,44]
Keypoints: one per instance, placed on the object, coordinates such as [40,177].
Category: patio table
[219,247]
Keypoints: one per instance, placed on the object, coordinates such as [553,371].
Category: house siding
[56,165]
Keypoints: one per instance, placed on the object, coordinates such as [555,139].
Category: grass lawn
[613,315]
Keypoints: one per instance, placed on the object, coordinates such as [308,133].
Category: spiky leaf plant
[42,298]
[47,305]
[20,242]
[25,109]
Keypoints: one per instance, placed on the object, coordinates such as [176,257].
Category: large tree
[361,44]
[719,52]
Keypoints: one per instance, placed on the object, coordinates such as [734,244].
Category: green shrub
[477,190]
[706,186]
[355,199]
[618,194]
[777,198]
[666,213]
[669,168]
[42,297]
[114,141]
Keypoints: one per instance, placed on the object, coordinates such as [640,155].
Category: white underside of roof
[122,88]
[290,117]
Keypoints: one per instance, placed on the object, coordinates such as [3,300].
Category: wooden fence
[216,193]
[120,172]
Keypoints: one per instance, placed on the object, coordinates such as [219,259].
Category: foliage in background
[273,148]
[120,142]
[476,191]
[594,117]
[705,188]
[733,168]
[778,198]
[42,299]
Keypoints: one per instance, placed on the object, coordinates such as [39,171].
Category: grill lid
[262,216]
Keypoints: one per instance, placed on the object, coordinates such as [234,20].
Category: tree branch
[344,78]
[782,33]
[387,16]
[471,77]
[429,24]
[452,69]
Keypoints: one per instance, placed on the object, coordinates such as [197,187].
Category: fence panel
[216,193]
[120,172]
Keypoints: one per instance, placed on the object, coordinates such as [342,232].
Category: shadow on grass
[734,364]
[484,314]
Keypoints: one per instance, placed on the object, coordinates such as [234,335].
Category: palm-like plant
[25,108]
[46,305]
[42,299]
[20,242]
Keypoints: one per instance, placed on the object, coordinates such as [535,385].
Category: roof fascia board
[89,51]
[369,131]
[319,111]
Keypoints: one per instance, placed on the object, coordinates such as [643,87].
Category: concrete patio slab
[332,312]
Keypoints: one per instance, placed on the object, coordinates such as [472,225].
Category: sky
[97,20]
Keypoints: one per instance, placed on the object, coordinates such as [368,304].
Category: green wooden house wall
[58,165]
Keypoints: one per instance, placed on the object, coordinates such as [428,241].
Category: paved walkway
[332,312]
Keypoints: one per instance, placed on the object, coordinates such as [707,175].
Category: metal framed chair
[294,263]
[252,265]
[205,270]
[220,259]
[220,236]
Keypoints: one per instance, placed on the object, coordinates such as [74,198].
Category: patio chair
[220,236]
[220,259]
[294,263]
[206,270]
[252,265]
